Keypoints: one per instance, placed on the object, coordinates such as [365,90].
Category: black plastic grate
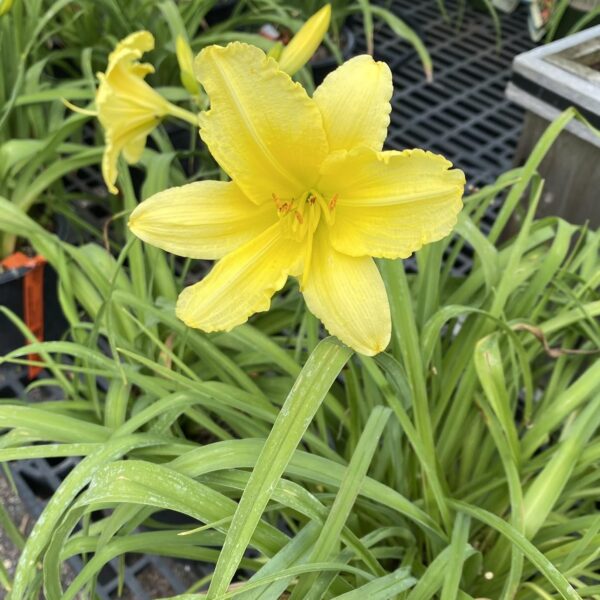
[463,113]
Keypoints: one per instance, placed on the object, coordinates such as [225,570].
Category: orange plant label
[33,297]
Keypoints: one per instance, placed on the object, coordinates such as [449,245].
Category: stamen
[333,202]
[299,217]
[282,207]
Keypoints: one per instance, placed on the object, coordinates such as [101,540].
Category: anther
[333,202]
[299,218]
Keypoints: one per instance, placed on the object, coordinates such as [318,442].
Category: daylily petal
[132,150]
[205,219]
[389,204]
[135,45]
[241,284]
[129,139]
[355,103]
[306,41]
[262,128]
[348,295]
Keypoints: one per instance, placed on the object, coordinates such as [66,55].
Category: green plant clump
[462,463]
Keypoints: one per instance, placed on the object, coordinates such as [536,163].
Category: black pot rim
[9,275]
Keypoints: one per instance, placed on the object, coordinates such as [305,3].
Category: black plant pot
[16,292]
[26,293]
[13,296]
[220,12]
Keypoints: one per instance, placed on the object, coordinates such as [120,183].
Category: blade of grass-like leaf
[294,496]
[41,25]
[169,543]
[367,15]
[244,453]
[295,552]
[382,588]
[10,529]
[321,369]
[485,252]
[401,29]
[530,167]
[356,471]
[77,479]
[433,578]
[496,20]
[136,254]
[488,365]
[548,485]
[406,342]
[547,569]
[54,427]
[5,581]
[283,574]
[507,281]
[501,425]
[226,368]
[47,451]
[566,402]
[460,537]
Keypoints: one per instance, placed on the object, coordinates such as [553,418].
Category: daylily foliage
[312,195]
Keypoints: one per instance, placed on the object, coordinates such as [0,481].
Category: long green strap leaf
[321,369]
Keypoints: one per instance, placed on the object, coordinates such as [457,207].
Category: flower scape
[312,195]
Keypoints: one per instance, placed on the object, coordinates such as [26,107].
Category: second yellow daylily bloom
[306,41]
[312,196]
[128,108]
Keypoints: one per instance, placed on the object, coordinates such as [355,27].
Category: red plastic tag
[33,297]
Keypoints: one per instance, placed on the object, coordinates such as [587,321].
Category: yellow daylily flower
[312,195]
[128,108]
[306,41]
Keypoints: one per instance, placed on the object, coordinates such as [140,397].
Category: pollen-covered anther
[282,207]
[299,217]
[333,202]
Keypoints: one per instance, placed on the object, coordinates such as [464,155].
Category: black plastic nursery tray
[463,113]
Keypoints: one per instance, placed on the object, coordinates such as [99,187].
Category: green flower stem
[183,114]
[303,401]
